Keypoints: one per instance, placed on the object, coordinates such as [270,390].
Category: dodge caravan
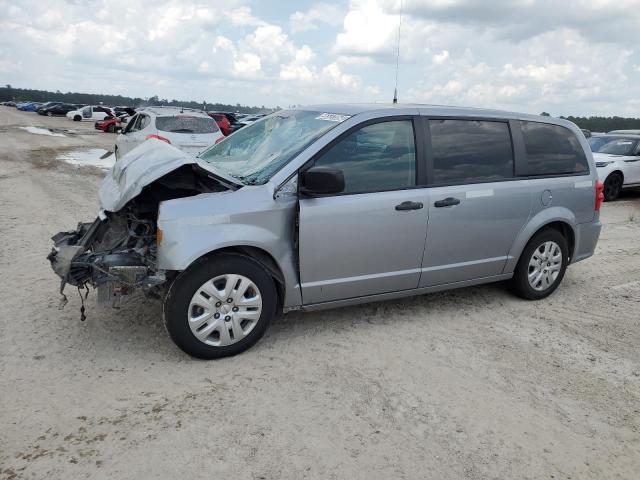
[334,205]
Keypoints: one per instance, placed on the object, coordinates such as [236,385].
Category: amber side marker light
[158,236]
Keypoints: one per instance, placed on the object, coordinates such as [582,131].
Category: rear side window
[552,150]
[375,158]
[470,151]
[186,124]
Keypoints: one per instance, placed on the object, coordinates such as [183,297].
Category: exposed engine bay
[116,253]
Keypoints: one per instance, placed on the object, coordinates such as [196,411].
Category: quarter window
[470,151]
[375,158]
[552,150]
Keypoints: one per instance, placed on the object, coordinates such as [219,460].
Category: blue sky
[571,57]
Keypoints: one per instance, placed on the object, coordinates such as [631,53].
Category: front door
[370,238]
[476,206]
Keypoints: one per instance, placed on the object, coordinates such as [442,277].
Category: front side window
[553,150]
[375,158]
[470,151]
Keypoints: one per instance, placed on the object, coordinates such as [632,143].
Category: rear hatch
[190,133]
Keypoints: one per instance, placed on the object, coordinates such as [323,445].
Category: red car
[223,122]
[109,124]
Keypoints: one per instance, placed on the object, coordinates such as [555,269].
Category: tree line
[9,93]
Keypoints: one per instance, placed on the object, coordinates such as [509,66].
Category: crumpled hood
[606,157]
[141,166]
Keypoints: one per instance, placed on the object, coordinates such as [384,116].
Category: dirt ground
[471,383]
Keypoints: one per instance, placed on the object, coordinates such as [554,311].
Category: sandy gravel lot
[471,383]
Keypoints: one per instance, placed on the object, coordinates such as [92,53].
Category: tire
[188,311]
[551,273]
[111,128]
[612,186]
[49,114]
[77,118]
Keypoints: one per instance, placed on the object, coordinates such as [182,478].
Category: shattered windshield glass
[256,152]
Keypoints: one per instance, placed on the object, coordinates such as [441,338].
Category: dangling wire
[395,89]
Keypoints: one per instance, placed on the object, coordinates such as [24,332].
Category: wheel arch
[562,220]
[619,172]
[260,255]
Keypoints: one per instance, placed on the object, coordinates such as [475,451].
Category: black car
[58,110]
[42,108]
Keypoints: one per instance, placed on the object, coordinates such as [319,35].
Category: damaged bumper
[111,254]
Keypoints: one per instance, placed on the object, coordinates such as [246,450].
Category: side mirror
[321,181]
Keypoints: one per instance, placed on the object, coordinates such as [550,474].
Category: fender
[542,218]
[196,226]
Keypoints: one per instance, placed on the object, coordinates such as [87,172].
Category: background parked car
[624,132]
[223,123]
[234,123]
[59,110]
[617,160]
[90,113]
[42,108]
[189,130]
[29,106]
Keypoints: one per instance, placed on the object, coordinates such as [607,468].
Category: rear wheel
[220,306]
[612,186]
[541,266]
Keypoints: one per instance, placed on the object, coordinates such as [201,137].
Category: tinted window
[186,124]
[375,158]
[552,150]
[470,151]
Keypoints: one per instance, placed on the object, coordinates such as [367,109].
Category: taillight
[158,137]
[599,195]
[219,140]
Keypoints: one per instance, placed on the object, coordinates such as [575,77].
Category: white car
[90,113]
[187,129]
[617,160]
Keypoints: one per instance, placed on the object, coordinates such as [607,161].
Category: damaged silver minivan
[334,205]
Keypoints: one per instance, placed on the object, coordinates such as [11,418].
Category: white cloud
[320,13]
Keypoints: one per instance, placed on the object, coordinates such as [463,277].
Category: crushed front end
[115,254]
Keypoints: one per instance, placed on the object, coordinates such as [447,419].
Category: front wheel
[541,266]
[49,114]
[111,128]
[77,118]
[612,186]
[220,306]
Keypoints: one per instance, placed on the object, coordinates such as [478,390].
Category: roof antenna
[395,90]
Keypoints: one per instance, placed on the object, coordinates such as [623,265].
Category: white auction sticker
[332,117]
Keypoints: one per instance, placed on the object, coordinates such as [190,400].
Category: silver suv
[334,205]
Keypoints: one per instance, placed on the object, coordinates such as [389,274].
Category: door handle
[447,202]
[409,206]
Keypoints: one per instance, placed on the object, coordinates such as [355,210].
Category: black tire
[519,284]
[111,128]
[77,118]
[183,288]
[612,186]
[49,114]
